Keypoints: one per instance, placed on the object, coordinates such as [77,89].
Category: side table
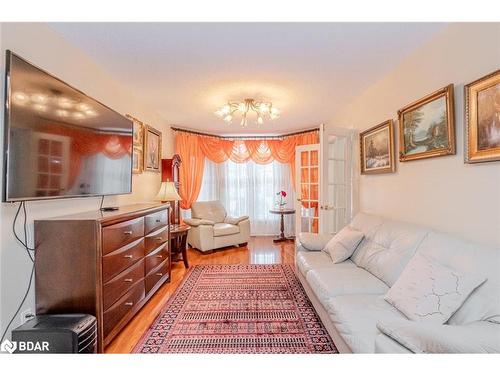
[283,212]
[178,242]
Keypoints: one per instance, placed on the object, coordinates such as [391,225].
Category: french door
[307,186]
[336,178]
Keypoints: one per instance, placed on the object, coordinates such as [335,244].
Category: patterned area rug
[238,309]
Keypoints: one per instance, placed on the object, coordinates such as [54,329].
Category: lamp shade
[168,192]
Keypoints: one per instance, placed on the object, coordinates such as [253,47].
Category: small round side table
[282,213]
[178,245]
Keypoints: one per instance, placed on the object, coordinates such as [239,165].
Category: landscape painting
[427,127]
[488,118]
[482,109]
[377,149]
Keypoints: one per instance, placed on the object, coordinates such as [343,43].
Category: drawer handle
[159,274]
[159,239]
[128,256]
[129,304]
[159,256]
[128,280]
[128,232]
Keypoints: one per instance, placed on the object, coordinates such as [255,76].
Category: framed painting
[138,135]
[137,161]
[482,119]
[376,147]
[152,149]
[427,126]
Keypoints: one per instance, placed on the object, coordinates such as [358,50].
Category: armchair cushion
[477,337]
[210,210]
[197,222]
[235,220]
[224,229]
[314,242]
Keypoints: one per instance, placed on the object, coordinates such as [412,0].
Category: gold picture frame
[376,146]
[137,162]
[138,133]
[482,108]
[427,126]
[152,149]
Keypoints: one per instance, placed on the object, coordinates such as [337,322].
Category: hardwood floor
[260,250]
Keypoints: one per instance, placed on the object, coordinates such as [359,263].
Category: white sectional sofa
[349,296]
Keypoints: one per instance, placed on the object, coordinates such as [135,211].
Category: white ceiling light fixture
[260,108]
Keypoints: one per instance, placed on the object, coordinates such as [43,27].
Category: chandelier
[262,109]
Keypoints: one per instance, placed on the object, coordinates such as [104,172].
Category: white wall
[42,46]
[442,193]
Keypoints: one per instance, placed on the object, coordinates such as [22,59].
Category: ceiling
[185,71]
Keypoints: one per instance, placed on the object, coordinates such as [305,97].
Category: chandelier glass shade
[261,109]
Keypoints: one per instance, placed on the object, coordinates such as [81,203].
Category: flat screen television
[59,142]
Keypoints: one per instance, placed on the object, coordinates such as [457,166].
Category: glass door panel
[307,205]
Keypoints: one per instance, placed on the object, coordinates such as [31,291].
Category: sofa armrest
[477,337]
[235,220]
[197,222]
[313,241]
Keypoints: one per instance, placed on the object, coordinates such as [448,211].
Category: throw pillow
[343,244]
[427,291]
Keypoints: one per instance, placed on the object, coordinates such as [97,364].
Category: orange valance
[194,148]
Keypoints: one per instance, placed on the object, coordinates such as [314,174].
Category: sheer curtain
[250,189]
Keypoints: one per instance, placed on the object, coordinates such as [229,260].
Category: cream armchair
[212,228]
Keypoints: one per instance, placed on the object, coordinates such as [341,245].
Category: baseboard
[339,342]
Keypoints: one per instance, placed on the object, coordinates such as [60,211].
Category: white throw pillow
[343,244]
[429,292]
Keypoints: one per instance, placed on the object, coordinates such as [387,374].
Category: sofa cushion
[313,241]
[355,317]
[210,210]
[477,337]
[331,282]
[429,292]
[224,229]
[308,260]
[473,260]
[384,344]
[343,244]
[387,248]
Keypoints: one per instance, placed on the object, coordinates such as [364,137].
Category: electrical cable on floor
[27,248]
[21,304]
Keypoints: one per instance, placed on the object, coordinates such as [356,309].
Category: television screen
[59,142]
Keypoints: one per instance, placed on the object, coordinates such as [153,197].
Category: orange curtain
[195,148]
[189,149]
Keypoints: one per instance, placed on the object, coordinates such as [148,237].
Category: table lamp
[167,192]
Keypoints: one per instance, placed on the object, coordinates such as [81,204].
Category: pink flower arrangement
[281,203]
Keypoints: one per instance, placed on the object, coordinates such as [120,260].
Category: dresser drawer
[117,235]
[155,239]
[126,303]
[120,284]
[154,277]
[156,257]
[155,221]
[117,261]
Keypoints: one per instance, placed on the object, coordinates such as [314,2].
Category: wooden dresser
[107,264]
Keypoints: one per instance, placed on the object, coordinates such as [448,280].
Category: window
[250,189]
